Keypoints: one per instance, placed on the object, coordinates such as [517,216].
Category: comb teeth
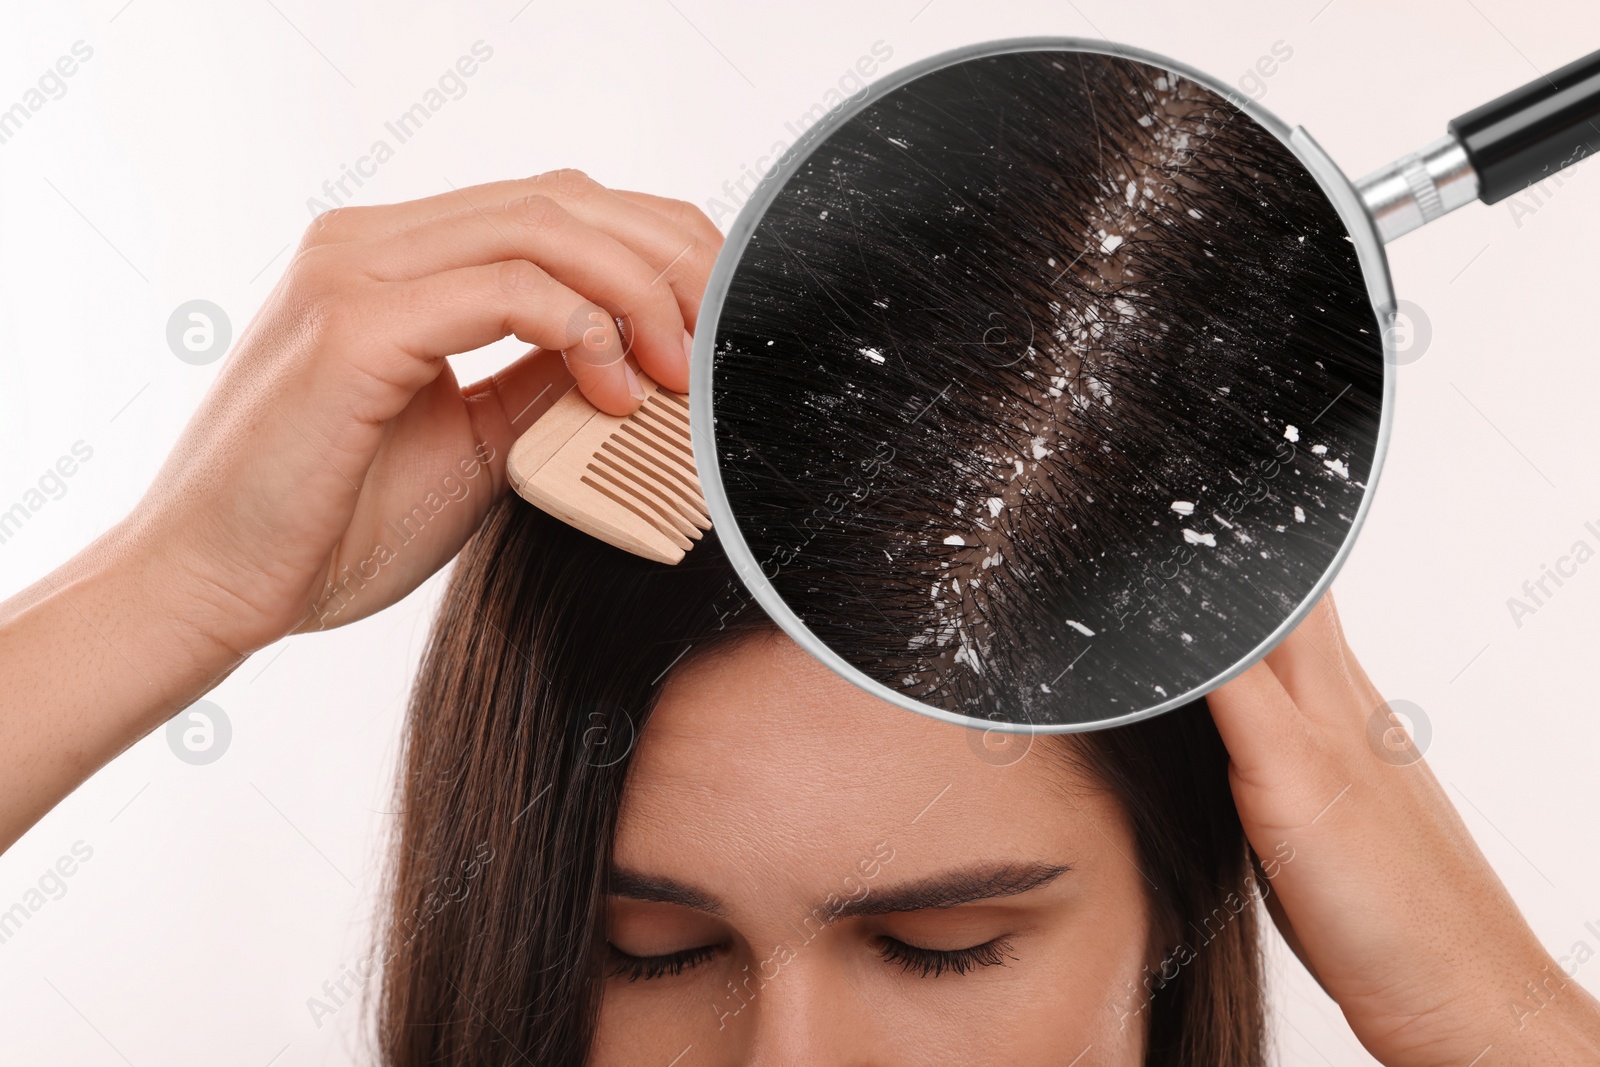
[629,481]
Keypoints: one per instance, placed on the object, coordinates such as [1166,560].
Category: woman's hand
[1375,881]
[335,463]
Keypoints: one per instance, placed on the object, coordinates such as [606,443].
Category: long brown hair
[541,670]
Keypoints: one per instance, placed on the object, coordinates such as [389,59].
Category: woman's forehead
[759,761]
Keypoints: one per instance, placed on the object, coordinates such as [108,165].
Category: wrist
[1491,996]
[1525,1010]
[165,608]
[1547,1018]
[95,655]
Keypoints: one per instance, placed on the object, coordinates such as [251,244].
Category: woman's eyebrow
[947,890]
[954,888]
[657,890]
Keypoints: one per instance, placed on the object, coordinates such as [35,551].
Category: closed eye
[932,962]
[672,964]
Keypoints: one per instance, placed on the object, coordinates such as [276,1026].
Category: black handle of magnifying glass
[1530,133]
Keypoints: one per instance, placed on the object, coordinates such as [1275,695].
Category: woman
[701,843]
[789,850]
[781,869]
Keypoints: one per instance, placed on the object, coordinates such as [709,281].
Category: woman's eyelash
[924,962]
[633,968]
[930,962]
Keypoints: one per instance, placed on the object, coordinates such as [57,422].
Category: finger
[502,406]
[1268,740]
[684,214]
[1358,673]
[589,261]
[1323,637]
[1315,663]
[365,222]
[678,255]
[673,236]
[459,310]
[1283,776]
[567,185]
[1280,919]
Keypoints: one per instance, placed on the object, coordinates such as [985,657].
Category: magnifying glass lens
[1046,387]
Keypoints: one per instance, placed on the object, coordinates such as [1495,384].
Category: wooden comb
[629,481]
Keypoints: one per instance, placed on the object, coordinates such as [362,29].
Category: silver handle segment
[1417,189]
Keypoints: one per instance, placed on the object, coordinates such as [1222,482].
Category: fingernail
[688,351]
[635,389]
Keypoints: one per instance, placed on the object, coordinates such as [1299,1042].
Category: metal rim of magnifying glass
[1335,185]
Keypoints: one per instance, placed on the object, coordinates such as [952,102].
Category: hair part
[1014,371]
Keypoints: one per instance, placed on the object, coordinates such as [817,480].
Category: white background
[178,165]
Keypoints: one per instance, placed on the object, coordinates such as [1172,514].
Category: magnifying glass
[1045,385]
